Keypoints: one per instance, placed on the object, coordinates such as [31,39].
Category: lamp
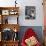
[15,3]
[15,30]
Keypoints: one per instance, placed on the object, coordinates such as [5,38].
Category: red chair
[29,33]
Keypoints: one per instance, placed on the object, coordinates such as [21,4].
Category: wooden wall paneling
[44,7]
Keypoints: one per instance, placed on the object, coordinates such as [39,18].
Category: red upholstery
[29,33]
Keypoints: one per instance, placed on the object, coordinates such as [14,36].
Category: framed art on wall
[30,12]
[5,12]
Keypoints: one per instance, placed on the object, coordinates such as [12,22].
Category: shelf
[2,8]
[9,10]
[10,26]
[5,12]
[7,16]
[11,15]
[11,41]
[9,19]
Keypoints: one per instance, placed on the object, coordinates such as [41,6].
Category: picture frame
[5,12]
[30,12]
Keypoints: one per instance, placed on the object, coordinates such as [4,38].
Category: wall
[44,12]
[37,30]
[39,14]
[39,11]
[44,21]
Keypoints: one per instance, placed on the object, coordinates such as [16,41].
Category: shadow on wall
[37,29]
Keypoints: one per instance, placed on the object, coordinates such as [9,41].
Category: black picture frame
[30,12]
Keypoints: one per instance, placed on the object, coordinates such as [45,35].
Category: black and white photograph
[30,12]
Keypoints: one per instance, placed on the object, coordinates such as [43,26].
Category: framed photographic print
[5,12]
[30,12]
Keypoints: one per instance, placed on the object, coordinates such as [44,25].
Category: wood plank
[10,26]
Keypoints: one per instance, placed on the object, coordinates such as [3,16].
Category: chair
[29,33]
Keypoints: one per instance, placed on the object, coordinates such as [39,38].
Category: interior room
[22,22]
